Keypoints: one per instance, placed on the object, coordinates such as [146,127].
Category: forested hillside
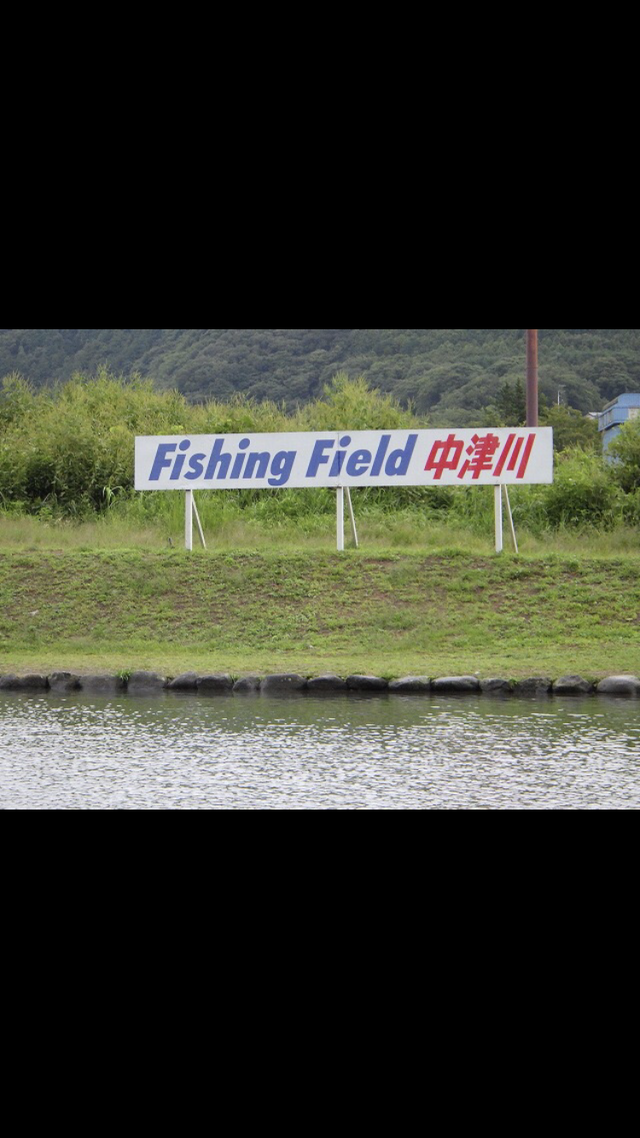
[448,374]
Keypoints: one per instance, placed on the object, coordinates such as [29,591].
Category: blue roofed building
[616,413]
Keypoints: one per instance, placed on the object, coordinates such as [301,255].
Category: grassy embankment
[93,576]
[93,598]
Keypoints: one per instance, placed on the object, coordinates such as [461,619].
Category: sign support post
[191,512]
[198,522]
[510,517]
[340,518]
[497,501]
[354,532]
[188,519]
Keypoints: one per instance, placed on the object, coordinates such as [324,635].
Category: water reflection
[345,752]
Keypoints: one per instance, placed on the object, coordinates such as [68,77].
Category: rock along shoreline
[143,683]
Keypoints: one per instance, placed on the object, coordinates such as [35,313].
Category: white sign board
[472,457]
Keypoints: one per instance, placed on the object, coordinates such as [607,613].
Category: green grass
[106,597]
[230,529]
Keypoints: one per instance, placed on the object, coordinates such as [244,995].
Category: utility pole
[532,378]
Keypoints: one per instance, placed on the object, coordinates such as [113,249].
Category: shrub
[16,400]
[624,453]
[631,508]
[583,492]
[350,404]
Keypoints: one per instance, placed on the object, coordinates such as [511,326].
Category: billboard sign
[471,457]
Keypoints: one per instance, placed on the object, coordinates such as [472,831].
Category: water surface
[342,752]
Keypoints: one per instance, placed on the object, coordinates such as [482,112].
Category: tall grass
[231,530]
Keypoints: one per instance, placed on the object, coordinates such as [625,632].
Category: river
[343,753]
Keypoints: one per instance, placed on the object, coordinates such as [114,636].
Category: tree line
[454,376]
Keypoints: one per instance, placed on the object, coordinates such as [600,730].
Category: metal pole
[354,532]
[188,519]
[497,503]
[340,518]
[532,378]
[510,516]
[198,522]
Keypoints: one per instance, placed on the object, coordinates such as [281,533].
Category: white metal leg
[510,517]
[340,518]
[354,532]
[497,499]
[198,523]
[188,519]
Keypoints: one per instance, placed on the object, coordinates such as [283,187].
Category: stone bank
[143,683]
